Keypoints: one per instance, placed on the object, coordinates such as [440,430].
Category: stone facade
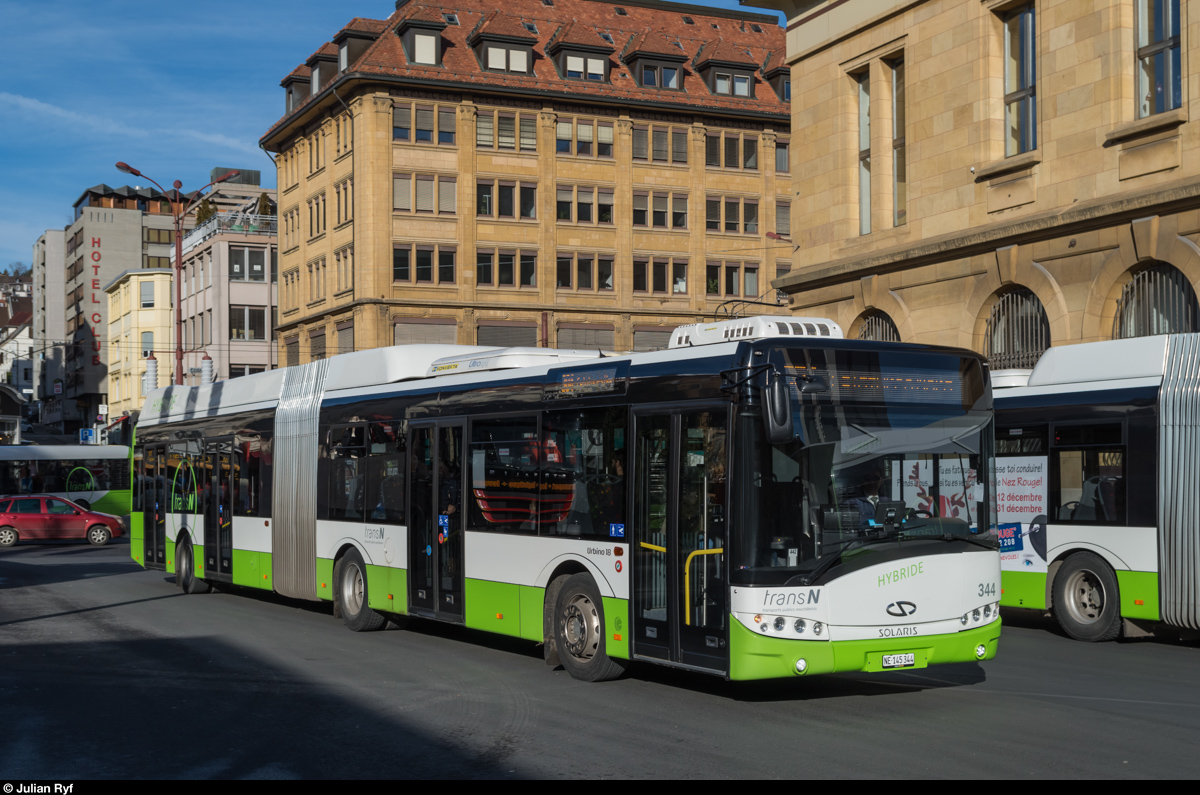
[1108,188]
[135,310]
[354,191]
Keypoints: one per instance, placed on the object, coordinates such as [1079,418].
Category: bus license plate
[899,660]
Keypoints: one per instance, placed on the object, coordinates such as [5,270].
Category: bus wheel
[98,535]
[579,632]
[8,536]
[1087,601]
[185,571]
[350,594]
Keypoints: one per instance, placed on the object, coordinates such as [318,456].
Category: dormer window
[658,76]
[502,59]
[343,57]
[581,68]
[315,85]
[787,90]
[424,49]
[732,84]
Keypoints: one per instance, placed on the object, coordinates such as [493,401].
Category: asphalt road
[108,671]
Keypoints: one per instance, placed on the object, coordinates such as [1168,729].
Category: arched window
[1157,300]
[878,327]
[1018,332]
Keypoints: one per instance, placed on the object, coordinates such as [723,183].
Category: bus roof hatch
[754,328]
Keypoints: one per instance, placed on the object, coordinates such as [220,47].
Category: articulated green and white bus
[93,476]
[1099,485]
[746,503]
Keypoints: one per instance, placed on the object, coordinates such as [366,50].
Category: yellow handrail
[644,545]
[687,584]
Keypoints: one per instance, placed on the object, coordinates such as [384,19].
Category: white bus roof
[1090,366]
[61,452]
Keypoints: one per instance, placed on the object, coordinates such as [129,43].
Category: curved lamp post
[179,211]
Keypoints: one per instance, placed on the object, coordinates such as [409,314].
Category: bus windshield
[869,468]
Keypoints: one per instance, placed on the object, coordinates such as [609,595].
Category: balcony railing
[233,223]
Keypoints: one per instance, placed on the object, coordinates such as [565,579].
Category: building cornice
[1078,218]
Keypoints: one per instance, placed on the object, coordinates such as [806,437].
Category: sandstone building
[997,175]
[548,172]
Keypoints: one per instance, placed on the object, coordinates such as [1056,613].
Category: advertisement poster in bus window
[959,490]
[912,483]
[1021,509]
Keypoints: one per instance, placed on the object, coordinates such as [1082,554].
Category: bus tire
[350,594]
[185,571]
[8,536]
[1087,599]
[98,535]
[579,631]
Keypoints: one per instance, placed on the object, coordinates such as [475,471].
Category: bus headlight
[987,611]
[799,625]
[964,619]
[975,615]
[779,623]
[981,651]
[817,627]
[801,665]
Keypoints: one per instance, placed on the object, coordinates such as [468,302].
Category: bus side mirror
[777,409]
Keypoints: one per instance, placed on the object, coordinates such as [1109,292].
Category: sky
[172,88]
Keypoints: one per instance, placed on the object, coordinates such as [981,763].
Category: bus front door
[154,507]
[218,524]
[435,532]
[679,533]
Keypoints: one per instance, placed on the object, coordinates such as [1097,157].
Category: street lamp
[179,216]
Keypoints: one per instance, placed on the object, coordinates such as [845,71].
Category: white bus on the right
[1098,485]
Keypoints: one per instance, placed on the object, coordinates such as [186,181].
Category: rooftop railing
[233,223]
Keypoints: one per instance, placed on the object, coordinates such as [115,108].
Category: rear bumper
[753,656]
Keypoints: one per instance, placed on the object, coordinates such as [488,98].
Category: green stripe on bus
[325,578]
[493,606]
[252,569]
[533,600]
[1023,589]
[170,567]
[117,503]
[616,629]
[198,559]
[755,656]
[136,538]
[387,589]
[1139,586]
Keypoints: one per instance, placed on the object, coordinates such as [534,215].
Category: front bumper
[754,656]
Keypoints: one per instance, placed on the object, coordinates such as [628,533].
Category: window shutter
[424,194]
[402,192]
[425,119]
[346,340]
[605,134]
[585,132]
[508,132]
[605,197]
[640,144]
[528,134]
[712,150]
[660,145]
[402,117]
[586,338]
[640,201]
[660,202]
[783,218]
[424,333]
[293,353]
[678,206]
[518,61]
[595,69]
[496,58]
[485,131]
[562,131]
[712,210]
[731,151]
[447,195]
[508,336]
[575,64]
[679,146]
[426,50]
[565,195]
[446,122]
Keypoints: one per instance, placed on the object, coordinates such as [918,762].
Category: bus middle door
[218,525]
[154,507]
[436,510]
[680,592]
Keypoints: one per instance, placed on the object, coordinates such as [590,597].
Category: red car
[36,517]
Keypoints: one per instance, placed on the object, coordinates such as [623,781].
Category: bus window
[583,473]
[386,446]
[1026,440]
[347,453]
[504,458]
[247,449]
[1091,485]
